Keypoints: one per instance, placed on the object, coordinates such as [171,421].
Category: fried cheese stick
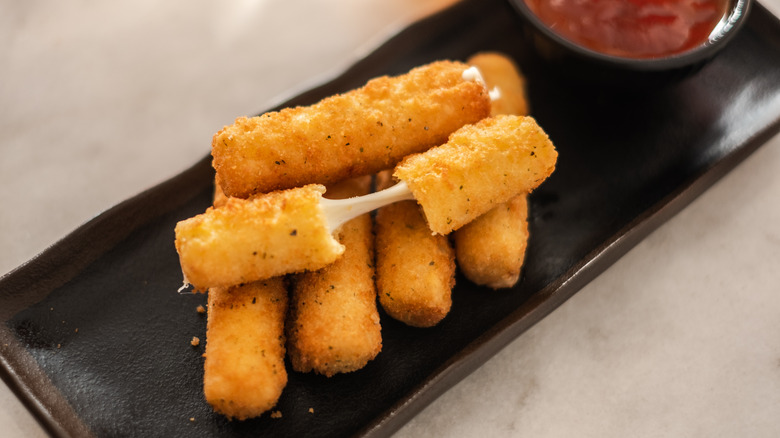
[490,250]
[356,133]
[415,270]
[499,71]
[333,324]
[244,372]
[247,240]
[481,166]
[242,321]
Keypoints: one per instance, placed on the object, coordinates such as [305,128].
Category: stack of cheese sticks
[291,272]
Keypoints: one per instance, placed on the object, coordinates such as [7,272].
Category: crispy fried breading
[500,72]
[333,324]
[356,133]
[244,372]
[415,270]
[482,165]
[490,250]
[249,240]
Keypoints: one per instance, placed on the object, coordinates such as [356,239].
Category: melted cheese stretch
[483,165]
[333,324]
[247,240]
[474,74]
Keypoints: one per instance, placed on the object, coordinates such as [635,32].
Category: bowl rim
[724,31]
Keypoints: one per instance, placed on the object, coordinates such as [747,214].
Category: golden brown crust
[356,133]
[490,250]
[481,166]
[254,239]
[244,372]
[415,269]
[500,72]
[333,325]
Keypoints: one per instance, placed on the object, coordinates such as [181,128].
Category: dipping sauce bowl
[625,40]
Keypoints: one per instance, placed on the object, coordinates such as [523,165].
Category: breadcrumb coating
[415,270]
[244,371]
[481,166]
[333,325]
[355,133]
[247,240]
[500,72]
[490,250]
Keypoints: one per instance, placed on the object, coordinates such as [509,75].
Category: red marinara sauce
[632,28]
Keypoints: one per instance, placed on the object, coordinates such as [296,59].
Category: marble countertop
[99,101]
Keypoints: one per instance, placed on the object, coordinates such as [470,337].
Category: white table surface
[100,100]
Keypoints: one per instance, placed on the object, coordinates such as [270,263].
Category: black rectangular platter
[95,339]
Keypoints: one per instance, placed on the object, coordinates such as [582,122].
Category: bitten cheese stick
[278,233]
[244,372]
[249,240]
[333,324]
[356,133]
[481,166]
[490,250]
[415,270]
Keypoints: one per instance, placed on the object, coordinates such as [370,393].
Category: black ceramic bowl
[569,58]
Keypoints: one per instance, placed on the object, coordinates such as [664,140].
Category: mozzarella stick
[244,372]
[481,166]
[333,324]
[500,72]
[415,270]
[249,240]
[356,133]
[288,231]
[490,250]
